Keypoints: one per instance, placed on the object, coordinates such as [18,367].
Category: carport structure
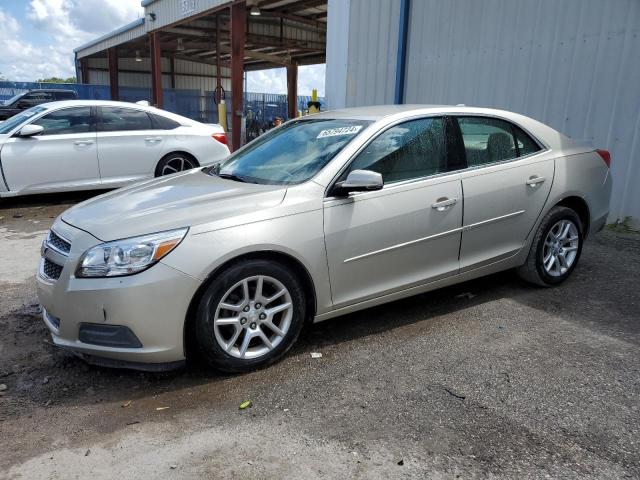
[208,44]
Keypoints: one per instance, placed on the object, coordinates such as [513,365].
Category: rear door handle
[153,139]
[82,143]
[443,204]
[533,181]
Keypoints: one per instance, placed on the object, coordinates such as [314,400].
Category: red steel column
[112,54]
[84,70]
[238,32]
[292,91]
[156,69]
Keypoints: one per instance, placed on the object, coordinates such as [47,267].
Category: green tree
[58,80]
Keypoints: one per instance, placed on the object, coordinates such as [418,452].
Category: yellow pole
[222,115]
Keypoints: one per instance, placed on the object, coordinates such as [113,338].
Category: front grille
[51,270]
[58,242]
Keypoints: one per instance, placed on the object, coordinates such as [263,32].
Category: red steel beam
[84,70]
[112,54]
[156,69]
[238,37]
[292,91]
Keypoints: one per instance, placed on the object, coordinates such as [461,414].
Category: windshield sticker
[334,132]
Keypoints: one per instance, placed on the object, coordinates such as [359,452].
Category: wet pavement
[490,378]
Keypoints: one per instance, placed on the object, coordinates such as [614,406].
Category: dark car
[32,98]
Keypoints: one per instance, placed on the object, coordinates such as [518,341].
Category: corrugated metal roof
[120,35]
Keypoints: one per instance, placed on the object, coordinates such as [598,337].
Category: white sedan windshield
[8,125]
[292,153]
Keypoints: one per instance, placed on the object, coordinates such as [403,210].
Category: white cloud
[67,24]
[275,80]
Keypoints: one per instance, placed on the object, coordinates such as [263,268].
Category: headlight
[128,256]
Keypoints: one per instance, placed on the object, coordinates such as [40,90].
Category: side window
[163,123]
[68,120]
[116,119]
[409,150]
[486,140]
[526,145]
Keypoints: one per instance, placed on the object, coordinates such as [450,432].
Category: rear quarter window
[163,123]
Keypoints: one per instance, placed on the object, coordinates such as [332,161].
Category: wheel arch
[581,207]
[274,255]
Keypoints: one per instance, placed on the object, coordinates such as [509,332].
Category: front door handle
[153,139]
[534,181]
[82,143]
[444,203]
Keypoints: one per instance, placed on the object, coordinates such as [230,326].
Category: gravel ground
[488,379]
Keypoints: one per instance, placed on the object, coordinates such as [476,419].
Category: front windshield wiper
[231,176]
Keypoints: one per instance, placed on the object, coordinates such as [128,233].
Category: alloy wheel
[253,317]
[176,164]
[560,248]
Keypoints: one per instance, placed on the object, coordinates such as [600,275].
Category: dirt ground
[488,379]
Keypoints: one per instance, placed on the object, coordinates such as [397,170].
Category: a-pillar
[238,32]
[292,91]
[156,69]
[112,54]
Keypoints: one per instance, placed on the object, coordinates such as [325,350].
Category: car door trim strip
[405,244]
[435,236]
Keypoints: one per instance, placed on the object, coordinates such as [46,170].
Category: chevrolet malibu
[93,144]
[320,217]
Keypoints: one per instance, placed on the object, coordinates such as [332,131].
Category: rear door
[62,157]
[129,147]
[505,187]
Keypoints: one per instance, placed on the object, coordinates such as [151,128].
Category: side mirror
[359,181]
[30,130]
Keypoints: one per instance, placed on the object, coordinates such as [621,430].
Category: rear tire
[555,249]
[249,316]
[175,162]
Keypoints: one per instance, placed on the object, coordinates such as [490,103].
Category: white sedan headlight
[129,255]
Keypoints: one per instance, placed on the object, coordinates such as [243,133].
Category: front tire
[249,316]
[555,249]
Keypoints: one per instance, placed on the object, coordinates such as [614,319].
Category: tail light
[606,157]
[221,137]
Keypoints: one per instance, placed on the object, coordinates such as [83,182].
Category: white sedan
[92,144]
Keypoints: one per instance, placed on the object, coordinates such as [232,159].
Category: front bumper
[151,304]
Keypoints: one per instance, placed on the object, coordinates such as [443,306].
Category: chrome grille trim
[58,243]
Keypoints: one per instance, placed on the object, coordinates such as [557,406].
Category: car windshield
[13,99]
[12,122]
[292,153]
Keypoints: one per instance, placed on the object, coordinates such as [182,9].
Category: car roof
[389,113]
[111,103]
[51,90]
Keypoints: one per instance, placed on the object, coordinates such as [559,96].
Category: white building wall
[573,64]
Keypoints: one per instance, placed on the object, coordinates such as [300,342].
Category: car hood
[181,200]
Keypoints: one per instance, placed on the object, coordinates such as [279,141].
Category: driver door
[404,235]
[62,157]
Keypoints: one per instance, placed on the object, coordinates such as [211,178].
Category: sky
[37,38]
